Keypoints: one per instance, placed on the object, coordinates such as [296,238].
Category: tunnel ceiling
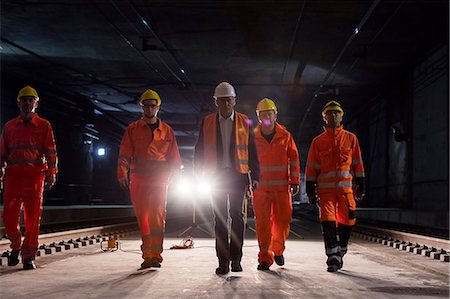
[299,53]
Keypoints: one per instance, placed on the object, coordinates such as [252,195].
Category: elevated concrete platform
[370,271]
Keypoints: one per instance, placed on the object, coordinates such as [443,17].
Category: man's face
[27,104]
[226,105]
[333,118]
[150,108]
[267,118]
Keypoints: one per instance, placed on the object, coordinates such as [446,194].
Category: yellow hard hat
[266,104]
[332,106]
[27,91]
[150,94]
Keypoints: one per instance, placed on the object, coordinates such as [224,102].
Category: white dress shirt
[226,127]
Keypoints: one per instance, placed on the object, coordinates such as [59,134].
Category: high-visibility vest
[278,160]
[333,159]
[140,155]
[28,150]
[240,142]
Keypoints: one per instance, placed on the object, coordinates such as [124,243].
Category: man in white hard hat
[226,151]
[28,152]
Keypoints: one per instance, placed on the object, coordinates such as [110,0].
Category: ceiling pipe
[294,38]
[174,57]
[127,41]
[338,59]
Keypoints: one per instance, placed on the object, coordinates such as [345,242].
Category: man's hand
[312,199]
[124,183]
[359,197]
[255,185]
[49,182]
[294,188]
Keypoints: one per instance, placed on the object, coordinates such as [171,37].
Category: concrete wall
[430,133]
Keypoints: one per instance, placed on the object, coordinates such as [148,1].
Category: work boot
[263,266]
[13,258]
[279,260]
[333,264]
[28,264]
[223,269]
[150,263]
[236,266]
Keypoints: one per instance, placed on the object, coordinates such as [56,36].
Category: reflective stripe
[333,174]
[274,182]
[37,161]
[333,251]
[51,152]
[273,168]
[356,161]
[147,161]
[311,178]
[341,184]
[294,173]
[156,233]
[24,147]
[241,147]
[360,174]
[312,165]
[294,163]
[243,162]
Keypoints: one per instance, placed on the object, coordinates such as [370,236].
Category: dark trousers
[228,199]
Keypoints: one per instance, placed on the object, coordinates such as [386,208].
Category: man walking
[280,175]
[29,162]
[333,159]
[148,157]
[226,151]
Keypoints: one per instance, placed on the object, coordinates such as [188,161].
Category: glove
[294,189]
[312,199]
[360,188]
[49,182]
[255,185]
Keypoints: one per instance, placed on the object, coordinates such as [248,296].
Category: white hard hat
[224,89]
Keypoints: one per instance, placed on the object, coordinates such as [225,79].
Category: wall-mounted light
[101,151]
[399,132]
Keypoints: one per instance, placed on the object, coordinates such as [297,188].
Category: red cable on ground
[186,243]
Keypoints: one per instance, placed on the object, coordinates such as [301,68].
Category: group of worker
[263,161]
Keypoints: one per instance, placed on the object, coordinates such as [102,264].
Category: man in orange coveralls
[148,157]
[333,157]
[29,162]
[279,176]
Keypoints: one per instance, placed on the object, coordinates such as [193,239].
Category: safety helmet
[332,106]
[28,91]
[266,104]
[224,89]
[150,94]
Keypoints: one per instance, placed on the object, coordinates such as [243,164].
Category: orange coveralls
[29,153]
[272,203]
[149,163]
[333,157]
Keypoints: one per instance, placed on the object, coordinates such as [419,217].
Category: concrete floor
[371,271]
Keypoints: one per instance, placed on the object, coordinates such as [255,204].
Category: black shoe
[13,258]
[263,266]
[150,263]
[279,259]
[236,266]
[333,264]
[29,264]
[341,264]
[223,269]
